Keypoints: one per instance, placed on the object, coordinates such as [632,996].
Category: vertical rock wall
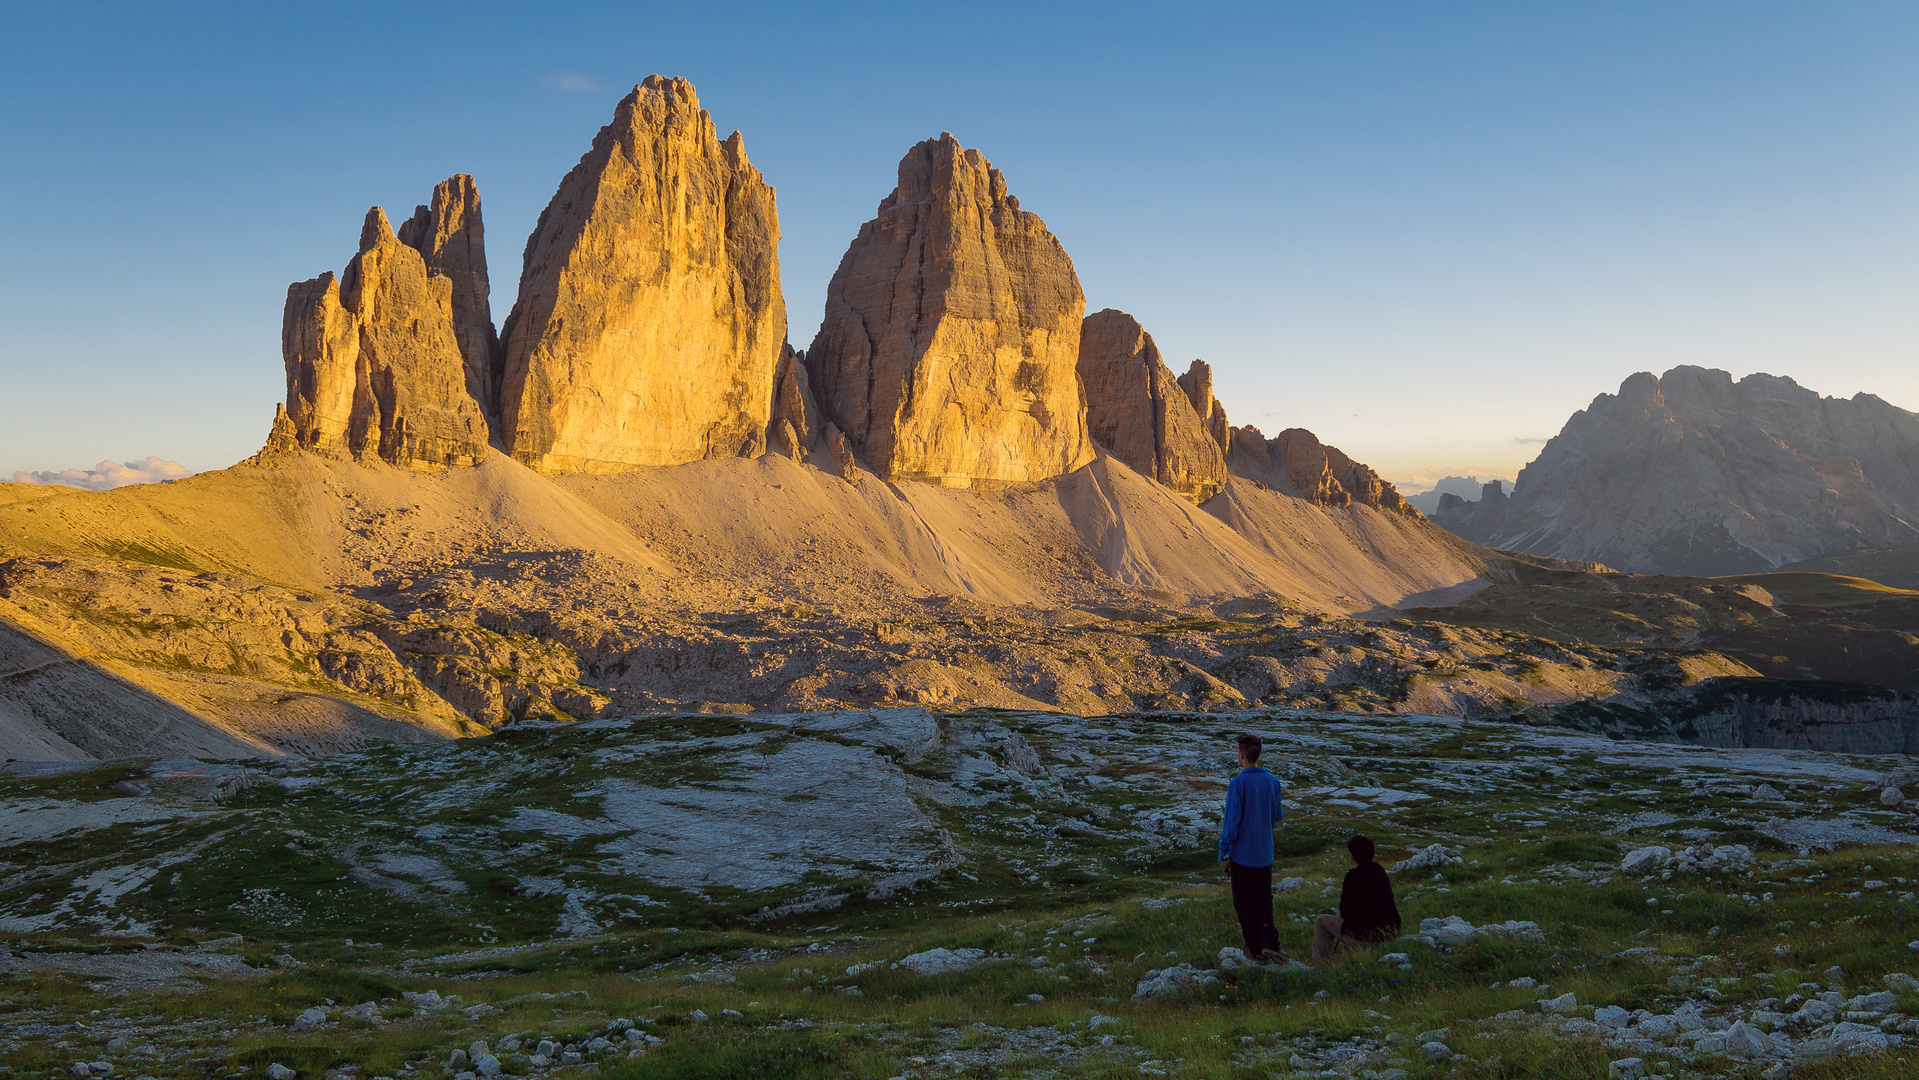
[373,362]
[649,320]
[449,236]
[949,348]
[1140,413]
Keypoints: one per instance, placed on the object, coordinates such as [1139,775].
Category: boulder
[1172,982]
[1140,414]
[1562,1005]
[373,362]
[311,1019]
[1432,857]
[1645,860]
[950,343]
[649,320]
[1892,796]
[1451,931]
[942,961]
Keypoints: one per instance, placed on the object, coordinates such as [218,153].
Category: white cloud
[571,83]
[1524,440]
[109,474]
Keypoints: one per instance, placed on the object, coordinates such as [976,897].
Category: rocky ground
[903,893]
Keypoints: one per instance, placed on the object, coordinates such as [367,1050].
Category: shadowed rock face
[1140,413]
[449,235]
[373,362]
[951,335]
[1693,473]
[649,320]
[1297,463]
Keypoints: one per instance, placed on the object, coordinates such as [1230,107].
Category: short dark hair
[1252,746]
[1362,848]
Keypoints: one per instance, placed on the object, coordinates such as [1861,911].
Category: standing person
[1246,849]
[1366,909]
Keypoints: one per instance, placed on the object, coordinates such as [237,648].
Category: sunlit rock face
[1139,413]
[450,237]
[1694,473]
[950,342]
[373,361]
[649,319]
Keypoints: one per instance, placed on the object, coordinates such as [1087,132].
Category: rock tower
[649,320]
[1140,413]
[949,348]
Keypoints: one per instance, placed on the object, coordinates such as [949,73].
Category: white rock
[942,961]
[1098,1020]
[1433,857]
[1645,860]
[735,1013]
[1563,1004]
[430,1001]
[487,1065]
[477,1050]
[1611,1016]
[698,1015]
[1519,931]
[1901,982]
[456,1060]
[1812,1014]
[1656,1027]
[1399,958]
[1626,1069]
[1289,884]
[310,1019]
[1173,981]
[277,1071]
[1231,959]
[1451,931]
[1524,982]
[1746,1042]
[366,1010]
[1436,1051]
[1879,1003]
[1855,1040]
[1892,796]
[1766,793]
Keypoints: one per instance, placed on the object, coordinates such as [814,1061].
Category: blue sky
[1428,232]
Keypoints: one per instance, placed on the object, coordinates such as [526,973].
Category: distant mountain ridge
[1695,473]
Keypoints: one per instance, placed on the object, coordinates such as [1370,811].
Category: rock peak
[375,230]
[1140,414]
[950,341]
[649,320]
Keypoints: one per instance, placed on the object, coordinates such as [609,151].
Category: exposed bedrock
[373,358]
[950,342]
[1140,413]
[1296,463]
[649,321]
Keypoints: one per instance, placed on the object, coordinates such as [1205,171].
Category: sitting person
[1366,909]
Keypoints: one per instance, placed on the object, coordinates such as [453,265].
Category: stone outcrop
[1140,413]
[950,342]
[373,361]
[649,320]
[796,416]
[1198,384]
[449,235]
[1694,473]
[1297,463]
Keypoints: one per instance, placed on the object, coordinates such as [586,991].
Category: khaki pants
[1329,937]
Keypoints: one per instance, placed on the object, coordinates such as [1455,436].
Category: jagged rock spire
[1140,414]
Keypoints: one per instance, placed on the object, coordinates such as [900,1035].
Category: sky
[1427,232]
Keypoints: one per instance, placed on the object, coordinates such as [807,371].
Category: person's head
[1361,848]
[1249,748]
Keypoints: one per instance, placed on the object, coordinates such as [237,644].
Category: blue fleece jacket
[1252,809]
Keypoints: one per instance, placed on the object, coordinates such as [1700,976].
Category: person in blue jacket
[1246,849]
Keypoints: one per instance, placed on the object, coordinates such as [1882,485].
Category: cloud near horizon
[571,83]
[108,475]
[1522,440]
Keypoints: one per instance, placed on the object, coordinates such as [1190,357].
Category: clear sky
[1428,232]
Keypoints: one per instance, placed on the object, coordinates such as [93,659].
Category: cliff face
[1140,413]
[373,361]
[649,319]
[1297,463]
[1693,473]
[949,347]
[449,236]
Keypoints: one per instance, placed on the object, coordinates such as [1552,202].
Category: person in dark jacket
[1246,849]
[1366,909]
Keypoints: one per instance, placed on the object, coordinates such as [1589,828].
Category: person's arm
[1348,901]
[1229,821]
[1279,801]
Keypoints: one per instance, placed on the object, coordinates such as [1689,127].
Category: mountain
[641,499]
[1427,502]
[1694,473]
[949,346]
[649,318]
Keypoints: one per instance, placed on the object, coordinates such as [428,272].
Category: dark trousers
[1253,903]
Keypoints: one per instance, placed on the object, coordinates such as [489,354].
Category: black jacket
[1366,903]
